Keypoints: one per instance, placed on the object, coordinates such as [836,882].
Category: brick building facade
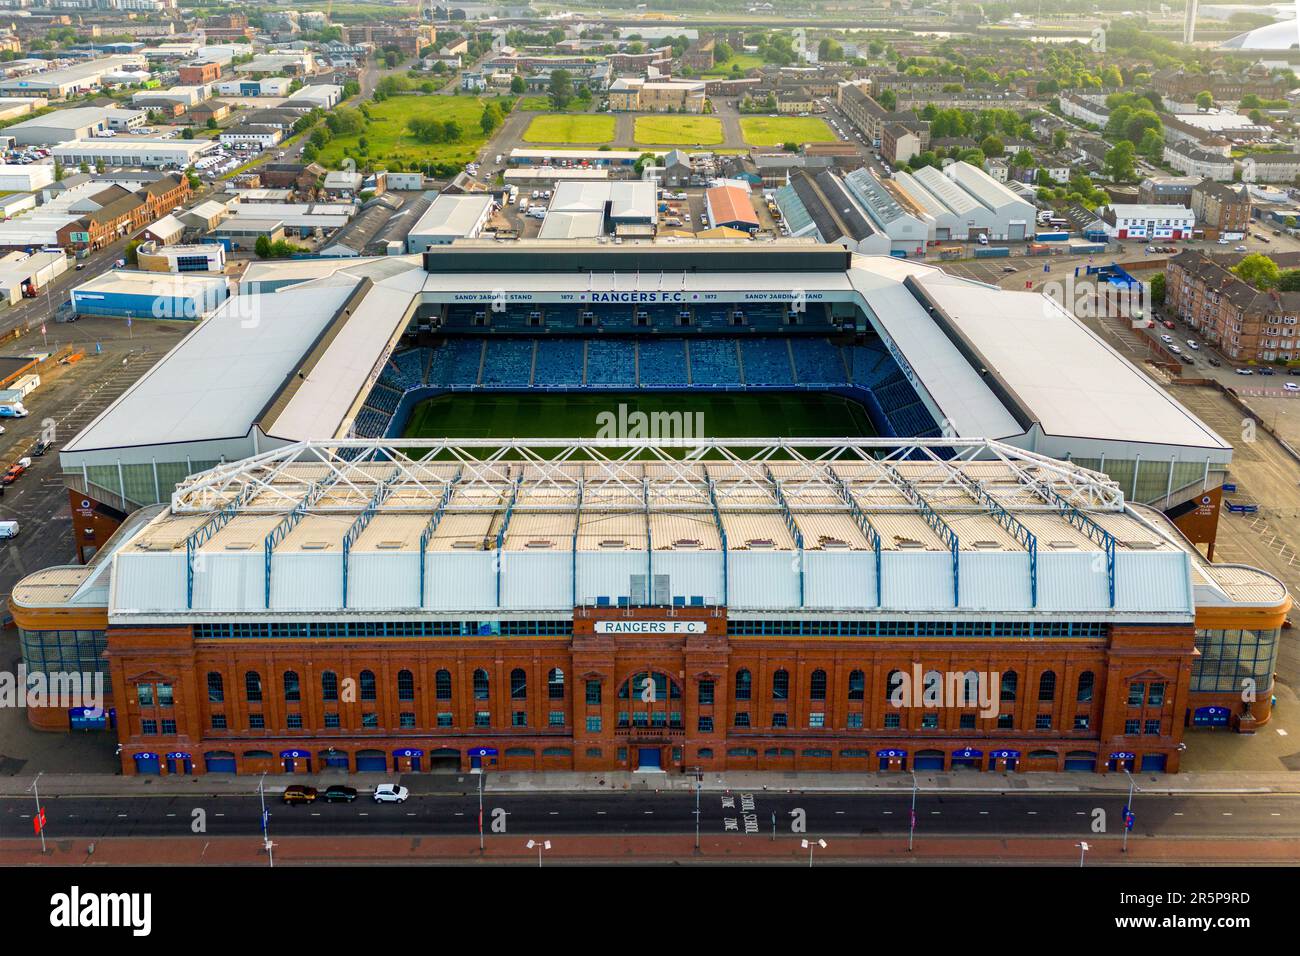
[1247,325]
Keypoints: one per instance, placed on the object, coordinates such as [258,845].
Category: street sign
[1128,819]
[38,822]
[266,819]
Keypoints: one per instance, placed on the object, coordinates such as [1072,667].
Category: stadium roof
[987,362]
[526,526]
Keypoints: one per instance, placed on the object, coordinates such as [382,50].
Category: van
[982,239]
[8,529]
[15,410]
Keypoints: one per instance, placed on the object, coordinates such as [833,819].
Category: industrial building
[729,205]
[149,295]
[76,123]
[25,178]
[70,80]
[136,151]
[449,218]
[585,210]
[196,257]
[26,274]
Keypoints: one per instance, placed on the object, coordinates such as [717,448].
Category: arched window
[481,685]
[367,682]
[216,688]
[518,684]
[253,687]
[442,685]
[1086,680]
[817,685]
[1009,682]
[781,685]
[555,684]
[893,686]
[857,685]
[1047,686]
[405,685]
[329,686]
[292,689]
[744,684]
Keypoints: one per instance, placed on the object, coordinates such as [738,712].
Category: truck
[992,252]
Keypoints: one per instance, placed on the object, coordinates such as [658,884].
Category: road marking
[984,813]
[555,813]
[600,813]
[1178,814]
[1282,732]
[1032,813]
[1226,813]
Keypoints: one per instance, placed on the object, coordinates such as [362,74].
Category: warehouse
[133,152]
[63,126]
[729,205]
[25,178]
[69,80]
[23,275]
[148,295]
[197,257]
[449,218]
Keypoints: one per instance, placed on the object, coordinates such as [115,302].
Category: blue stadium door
[647,758]
[1210,717]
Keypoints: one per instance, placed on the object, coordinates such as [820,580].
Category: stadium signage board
[651,627]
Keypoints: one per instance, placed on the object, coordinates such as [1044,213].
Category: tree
[1059,139]
[1204,100]
[992,146]
[187,133]
[1289,281]
[561,89]
[517,84]
[211,123]
[1258,270]
[1118,164]
[491,118]
[1158,288]
[888,99]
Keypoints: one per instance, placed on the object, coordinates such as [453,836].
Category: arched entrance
[444,760]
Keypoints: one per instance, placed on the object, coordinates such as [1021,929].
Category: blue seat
[714,362]
[662,362]
[611,362]
[508,362]
[817,362]
[767,362]
[559,362]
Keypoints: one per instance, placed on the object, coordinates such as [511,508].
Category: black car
[338,794]
[1266,371]
[1215,362]
[40,448]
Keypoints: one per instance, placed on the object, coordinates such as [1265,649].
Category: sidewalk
[53,784]
[640,850]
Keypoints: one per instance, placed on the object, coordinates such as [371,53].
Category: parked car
[1215,362]
[297,793]
[1291,386]
[1167,339]
[16,471]
[1243,371]
[1191,344]
[1167,324]
[337,793]
[1265,370]
[391,793]
[1239,249]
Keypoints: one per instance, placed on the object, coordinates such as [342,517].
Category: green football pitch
[593,414]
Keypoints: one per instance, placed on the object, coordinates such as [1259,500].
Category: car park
[391,793]
[297,793]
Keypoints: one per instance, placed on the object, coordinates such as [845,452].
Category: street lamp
[911,826]
[1083,849]
[810,846]
[1128,810]
[541,845]
[40,822]
[266,819]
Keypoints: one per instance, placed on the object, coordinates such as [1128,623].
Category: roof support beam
[933,519]
[789,523]
[204,534]
[1027,539]
[431,526]
[290,521]
[382,491]
[864,524]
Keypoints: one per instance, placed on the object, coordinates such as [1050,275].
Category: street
[1026,814]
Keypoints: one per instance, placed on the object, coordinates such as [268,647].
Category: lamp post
[1128,810]
[40,823]
[540,845]
[266,821]
[911,825]
[810,846]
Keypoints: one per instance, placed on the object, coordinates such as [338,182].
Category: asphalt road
[844,814]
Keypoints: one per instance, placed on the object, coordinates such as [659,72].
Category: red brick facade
[807,707]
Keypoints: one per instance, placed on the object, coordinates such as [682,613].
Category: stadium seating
[508,362]
[767,362]
[913,420]
[559,362]
[714,362]
[370,423]
[467,357]
[384,398]
[662,362]
[870,365]
[611,362]
[817,362]
[405,369]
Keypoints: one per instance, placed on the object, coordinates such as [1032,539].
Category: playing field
[775,130]
[570,128]
[678,130]
[592,414]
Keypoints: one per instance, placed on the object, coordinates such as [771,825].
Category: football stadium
[648,507]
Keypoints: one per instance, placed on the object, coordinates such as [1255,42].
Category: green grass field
[678,130]
[388,138]
[725,415]
[775,130]
[565,128]
[746,61]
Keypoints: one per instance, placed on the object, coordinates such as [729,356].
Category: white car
[1176,350]
[1222,241]
[1191,344]
[1239,249]
[1167,339]
[1243,371]
[1291,386]
[391,793]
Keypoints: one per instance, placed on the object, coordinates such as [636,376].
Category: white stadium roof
[990,363]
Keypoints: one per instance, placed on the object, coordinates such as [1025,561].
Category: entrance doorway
[647,760]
